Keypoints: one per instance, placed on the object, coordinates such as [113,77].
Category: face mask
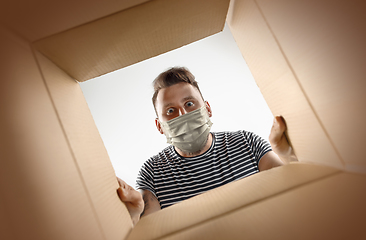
[188,132]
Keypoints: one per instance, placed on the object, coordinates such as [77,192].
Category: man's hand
[132,199]
[279,141]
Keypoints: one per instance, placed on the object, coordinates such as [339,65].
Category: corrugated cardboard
[307,60]
[329,66]
[37,19]
[133,35]
[5,227]
[221,201]
[42,191]
[56,177]
[334,213]
[279,85]
[56,181]
[90,156]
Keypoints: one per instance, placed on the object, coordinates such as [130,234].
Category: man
[197,160]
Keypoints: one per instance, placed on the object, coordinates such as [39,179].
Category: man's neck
[203,150]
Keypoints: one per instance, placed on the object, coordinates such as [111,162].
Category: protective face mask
[188,132]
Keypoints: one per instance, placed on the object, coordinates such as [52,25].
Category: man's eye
[189,104]
[170,111]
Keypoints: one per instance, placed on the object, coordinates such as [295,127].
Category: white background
[120,102]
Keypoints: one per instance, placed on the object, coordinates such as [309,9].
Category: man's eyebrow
[188,98]
[167,105]
[183,100]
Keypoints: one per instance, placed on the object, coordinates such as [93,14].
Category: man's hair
[171,77]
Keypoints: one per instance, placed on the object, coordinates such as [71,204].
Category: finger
[121,183]
[277,130]
[135,197]
[279,123]
[128,194]
[122,195]
[278,126]
[131,194]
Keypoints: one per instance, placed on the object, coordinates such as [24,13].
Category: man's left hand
[279,142]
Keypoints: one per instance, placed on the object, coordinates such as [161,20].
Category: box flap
[37,19]
[310,70]
[133,35]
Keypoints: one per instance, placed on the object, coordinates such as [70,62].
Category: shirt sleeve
[258,145]
[145,177]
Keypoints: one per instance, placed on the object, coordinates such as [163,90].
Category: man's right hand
[132,199]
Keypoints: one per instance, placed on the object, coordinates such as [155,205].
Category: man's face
[177,100]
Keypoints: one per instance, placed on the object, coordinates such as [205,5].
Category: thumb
[278,128]
[128,194]
[123,194]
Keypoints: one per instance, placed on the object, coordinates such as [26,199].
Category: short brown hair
[171,77]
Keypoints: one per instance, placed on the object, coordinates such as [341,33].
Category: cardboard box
[56,180]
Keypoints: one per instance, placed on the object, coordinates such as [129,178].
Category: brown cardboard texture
[90,156]
[42,192]
[311,74]
[223,200]
[271,208]
[132,35]
[37,19]
[307,57]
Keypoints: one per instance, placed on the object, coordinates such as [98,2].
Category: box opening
[120,102]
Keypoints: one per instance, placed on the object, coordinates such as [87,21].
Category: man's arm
[269,160]
[150,201]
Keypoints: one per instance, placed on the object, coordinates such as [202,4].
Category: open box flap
[132,35]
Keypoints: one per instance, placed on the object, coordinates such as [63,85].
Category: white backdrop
[120,102]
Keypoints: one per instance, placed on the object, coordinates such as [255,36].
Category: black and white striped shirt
[173,178]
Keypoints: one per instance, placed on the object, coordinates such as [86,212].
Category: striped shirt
[173,178]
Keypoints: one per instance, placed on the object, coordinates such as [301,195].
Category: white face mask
[188,132]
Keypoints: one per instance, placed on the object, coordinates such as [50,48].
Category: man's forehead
[177,92]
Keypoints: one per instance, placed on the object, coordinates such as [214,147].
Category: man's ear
[209,110]
[158,125]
